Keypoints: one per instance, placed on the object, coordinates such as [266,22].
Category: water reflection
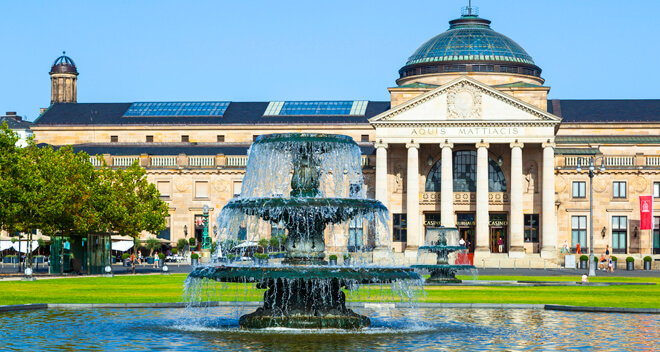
[392,330]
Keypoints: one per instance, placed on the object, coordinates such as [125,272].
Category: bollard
[530,264]
[544,268]
[483,260]
[514,264]
[499,264]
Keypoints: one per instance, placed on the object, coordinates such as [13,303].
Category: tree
[132,204]
[153,245]
[181,244]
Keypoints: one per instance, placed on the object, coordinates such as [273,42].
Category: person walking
[565,247]
[156,258]
[577,250]
[610,266]
[607,252]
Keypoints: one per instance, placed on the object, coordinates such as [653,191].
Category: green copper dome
[470,38]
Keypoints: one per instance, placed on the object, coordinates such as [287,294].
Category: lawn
[159,288]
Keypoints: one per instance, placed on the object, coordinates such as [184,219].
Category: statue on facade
[530,178]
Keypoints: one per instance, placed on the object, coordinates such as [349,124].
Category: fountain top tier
[278,163]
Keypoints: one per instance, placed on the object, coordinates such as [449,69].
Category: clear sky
[249,50]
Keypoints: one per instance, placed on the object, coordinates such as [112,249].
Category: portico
[469,151]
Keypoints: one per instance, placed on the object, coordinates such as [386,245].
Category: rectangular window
[429,69]
[531,227]
[365,138]
[619,189]
[579,231]
[164,188]
[221,138]
[619,232]
[355,232]
[656,190]
[165,234]
[201,190]
[579,189]
[185,139]
[150,139]
[114,139]
[483,68]
[400,228]
[237,189]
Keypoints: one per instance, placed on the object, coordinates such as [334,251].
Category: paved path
[9,270]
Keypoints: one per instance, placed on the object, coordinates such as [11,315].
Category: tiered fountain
[304,182]
[442,241]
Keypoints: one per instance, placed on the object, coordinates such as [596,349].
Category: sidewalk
[181,268]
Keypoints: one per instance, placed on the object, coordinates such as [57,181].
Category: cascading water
[312,186]
[443,241]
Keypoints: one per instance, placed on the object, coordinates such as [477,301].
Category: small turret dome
[64,64]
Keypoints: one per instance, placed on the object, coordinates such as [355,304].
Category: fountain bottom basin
[305,297]
[443,273]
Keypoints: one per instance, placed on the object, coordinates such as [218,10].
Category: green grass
[159,288]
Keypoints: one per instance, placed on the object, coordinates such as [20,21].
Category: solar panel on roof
[198,108]
[317,108]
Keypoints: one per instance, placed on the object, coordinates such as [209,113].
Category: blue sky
[306,50]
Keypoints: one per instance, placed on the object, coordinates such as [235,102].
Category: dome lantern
[63,80]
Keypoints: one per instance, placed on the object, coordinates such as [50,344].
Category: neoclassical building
[468,139]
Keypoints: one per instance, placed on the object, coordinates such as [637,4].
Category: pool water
[392,330]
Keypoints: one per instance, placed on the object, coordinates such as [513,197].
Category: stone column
[412,200]
[482,248]
[447,181]
[549,220]
[381,172]
[516,241]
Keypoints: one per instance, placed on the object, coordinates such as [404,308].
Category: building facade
[468,139]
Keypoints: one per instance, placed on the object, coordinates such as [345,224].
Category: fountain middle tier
[305,219]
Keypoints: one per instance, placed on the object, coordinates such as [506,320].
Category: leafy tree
[181,244]
[153,245]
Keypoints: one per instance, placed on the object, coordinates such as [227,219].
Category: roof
[578,111]
[177,148]
[608,139]
[517,85]
[14,124]
[470,38]
[238,113]
[577,151]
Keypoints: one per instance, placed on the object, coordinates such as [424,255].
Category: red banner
[646,212]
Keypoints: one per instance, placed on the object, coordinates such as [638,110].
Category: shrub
[191,241]
[614,259]
[332,257]
[230,256]
[347,256]
[630,260]
[194,256]
[161,256]
[125,256]
[174,251]
[584,258]
[648,258]
[595,259]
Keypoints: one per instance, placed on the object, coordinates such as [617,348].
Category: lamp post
[206,240]
[592,161]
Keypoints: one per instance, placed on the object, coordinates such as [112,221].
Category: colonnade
[516,240]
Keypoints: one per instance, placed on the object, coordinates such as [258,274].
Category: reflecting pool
[392,329]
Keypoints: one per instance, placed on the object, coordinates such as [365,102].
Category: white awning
[122,246]
[24,246]
[5,245]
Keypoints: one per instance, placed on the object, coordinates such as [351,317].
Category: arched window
[465,174]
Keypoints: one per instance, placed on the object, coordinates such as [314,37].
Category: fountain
[305,183]
[442,241]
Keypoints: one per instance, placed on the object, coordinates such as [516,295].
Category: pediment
[465,100]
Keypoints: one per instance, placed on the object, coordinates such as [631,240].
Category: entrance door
[656,235]
[498,243]
[467,234]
